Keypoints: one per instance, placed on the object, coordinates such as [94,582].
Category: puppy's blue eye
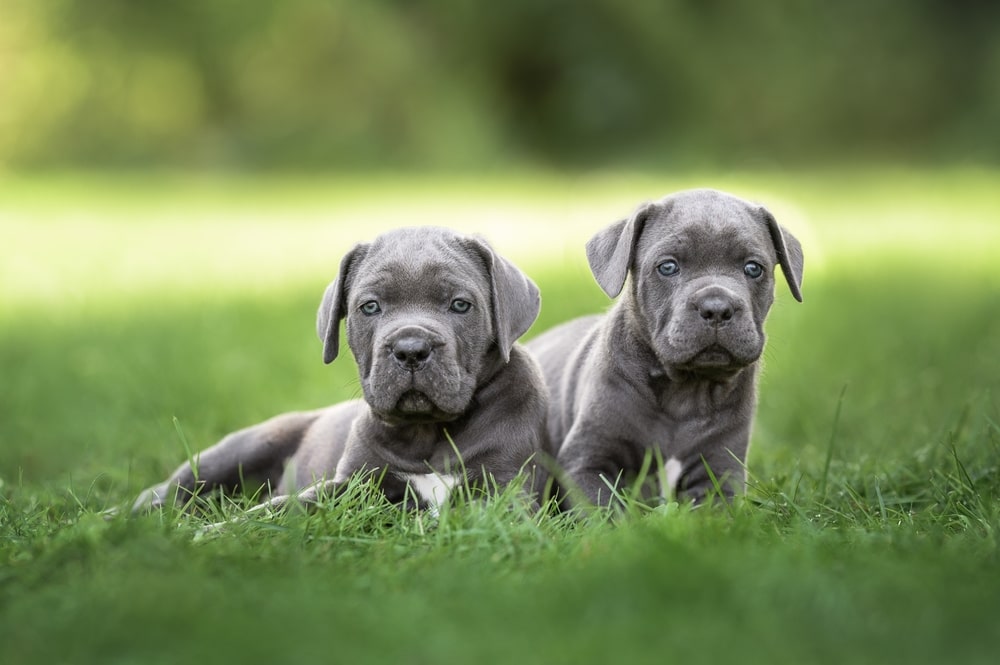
[370,308]
[460,306]
[668,268]
[753,269]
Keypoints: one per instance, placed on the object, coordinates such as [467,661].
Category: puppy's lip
[414,408]
[715,355]
[715,358]
[414,401]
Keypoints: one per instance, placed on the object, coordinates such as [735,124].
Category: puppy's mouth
[714,362]
[714,356]
[415,407]
[414,402]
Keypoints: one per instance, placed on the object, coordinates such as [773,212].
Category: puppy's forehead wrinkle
[709,230]
[703,243]
[410,279]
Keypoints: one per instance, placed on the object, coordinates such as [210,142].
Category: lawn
[142,315]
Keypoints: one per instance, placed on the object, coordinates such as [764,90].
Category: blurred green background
[458,84]
[178,181]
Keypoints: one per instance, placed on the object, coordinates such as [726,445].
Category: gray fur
[428,374]
[671,370]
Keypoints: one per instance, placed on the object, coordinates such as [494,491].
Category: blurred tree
[461,83]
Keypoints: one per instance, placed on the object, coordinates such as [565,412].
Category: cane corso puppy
[669,374]
[449,397]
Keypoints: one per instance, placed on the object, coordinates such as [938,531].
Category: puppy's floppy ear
[788,250]
[334,305]
[516,300]
[611,251]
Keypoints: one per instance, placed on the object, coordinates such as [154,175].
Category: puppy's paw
[155,497]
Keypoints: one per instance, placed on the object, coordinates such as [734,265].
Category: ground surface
[140,317]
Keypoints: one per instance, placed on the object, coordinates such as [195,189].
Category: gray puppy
[449,398]
[669,374]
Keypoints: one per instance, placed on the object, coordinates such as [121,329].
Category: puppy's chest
[693,401]
[683,418]
[430,477]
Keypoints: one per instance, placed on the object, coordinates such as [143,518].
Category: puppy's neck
[404,443]
[492,367]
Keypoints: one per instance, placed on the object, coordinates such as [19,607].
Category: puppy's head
[429,314]
[702,265]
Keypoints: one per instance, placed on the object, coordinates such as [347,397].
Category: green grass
[136,310]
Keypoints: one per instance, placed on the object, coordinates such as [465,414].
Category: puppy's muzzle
[411,348]
[716,306]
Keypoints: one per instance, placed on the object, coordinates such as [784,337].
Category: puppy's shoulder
[522,373]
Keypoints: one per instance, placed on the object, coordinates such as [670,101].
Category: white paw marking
[671,475]
[433,488]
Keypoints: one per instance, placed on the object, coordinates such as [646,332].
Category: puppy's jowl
[432,318]
[670,372]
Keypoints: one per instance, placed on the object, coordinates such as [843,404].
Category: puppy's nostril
[716,309]
[411,351]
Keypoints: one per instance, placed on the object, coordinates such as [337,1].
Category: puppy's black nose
[716,310]
[411,352]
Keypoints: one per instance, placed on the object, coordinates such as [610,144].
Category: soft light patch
[432,488]
[671,476]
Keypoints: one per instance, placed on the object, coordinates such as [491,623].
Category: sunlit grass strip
[69,239]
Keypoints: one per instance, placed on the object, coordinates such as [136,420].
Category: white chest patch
[433,488]
[671,475]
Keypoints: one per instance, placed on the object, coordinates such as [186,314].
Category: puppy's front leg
[307,498]
[257,454]
[592,472]
[716,472]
